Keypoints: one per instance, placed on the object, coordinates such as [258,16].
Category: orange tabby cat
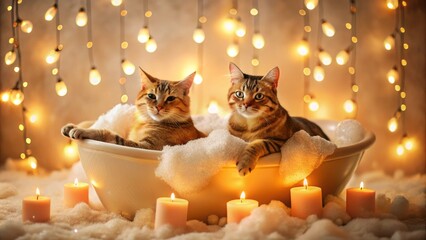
[258,118]
[162,117]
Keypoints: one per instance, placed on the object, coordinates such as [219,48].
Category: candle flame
[361,185]
[172,196]
[305,183]
[75,182]
[242,196]
[37,193]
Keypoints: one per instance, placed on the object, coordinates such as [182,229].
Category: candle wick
[37,197]
[306,187]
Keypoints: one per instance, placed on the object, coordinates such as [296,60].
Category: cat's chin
[249,115]
[155,117]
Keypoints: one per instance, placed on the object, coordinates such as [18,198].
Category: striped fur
[258,118]
[162,117]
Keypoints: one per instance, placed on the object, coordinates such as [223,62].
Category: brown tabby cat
[162,117]
[258,118]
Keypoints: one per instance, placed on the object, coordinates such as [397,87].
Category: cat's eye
[151,96]
[239,94]
[258,96]
[170,98]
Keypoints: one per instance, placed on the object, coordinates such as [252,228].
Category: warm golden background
[172,25]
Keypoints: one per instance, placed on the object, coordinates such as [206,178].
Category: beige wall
[172,24]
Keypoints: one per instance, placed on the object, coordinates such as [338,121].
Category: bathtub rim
[271,160]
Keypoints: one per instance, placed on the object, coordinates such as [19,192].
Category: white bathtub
[124,177]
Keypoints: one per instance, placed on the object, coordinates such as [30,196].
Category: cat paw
[78,133]
[65,130]
[245,164]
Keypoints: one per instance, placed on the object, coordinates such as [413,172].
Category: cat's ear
[272,77]
[186,83]
[146,79]
[236,73]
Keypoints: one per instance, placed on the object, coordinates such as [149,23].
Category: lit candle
[75,193]
[360,202]
[306,200]
[172,211]
[36,208]
[240,208]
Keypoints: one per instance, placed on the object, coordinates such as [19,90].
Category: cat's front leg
[247,160]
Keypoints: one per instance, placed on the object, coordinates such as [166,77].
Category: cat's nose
[159,108]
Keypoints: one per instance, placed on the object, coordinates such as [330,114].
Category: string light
[350,106]
[51,13]
[319,73]
[16,94]
[311,4]
[10,57]
[327,28]
[127,67]
[240,29]
[303,48]
[143,35]
[116,3]
[342,57]
[151,45]
[232,50]
[94,75]
[396,75]
[324,57]
[61,88]
[313,105]
[389,42]
[199,37]
[392,75]
[81,18]
[258,41]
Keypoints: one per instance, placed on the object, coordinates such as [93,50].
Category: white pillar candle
[238,209]
[306,200]
[75,193]
[172,211]
[36,208]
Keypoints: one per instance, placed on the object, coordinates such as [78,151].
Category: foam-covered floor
[400,214]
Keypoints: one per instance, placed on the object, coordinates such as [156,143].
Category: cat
[258,118]
[162,117]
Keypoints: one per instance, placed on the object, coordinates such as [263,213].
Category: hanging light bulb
[319,73]
[393,124]
[53,56]
[198,79]
[94,76]
[342,57]
[327,28]
[392,75]
[198,35]
[232,50]
[258,41]
[128,67]
[389,42]
[16,96]
[143,35]
[51,13]
[26,26]
[313,105]
[70,150]
[124,98]
[311,4]
[349,106]
[81,18]
[240,29]
[400,150]
[116,3]
[32,162]
[325,57]
[303,48]
[10,57]
[61,88]
[392,4]
[408,143]
[229,24]
[5,96]
[151,45]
